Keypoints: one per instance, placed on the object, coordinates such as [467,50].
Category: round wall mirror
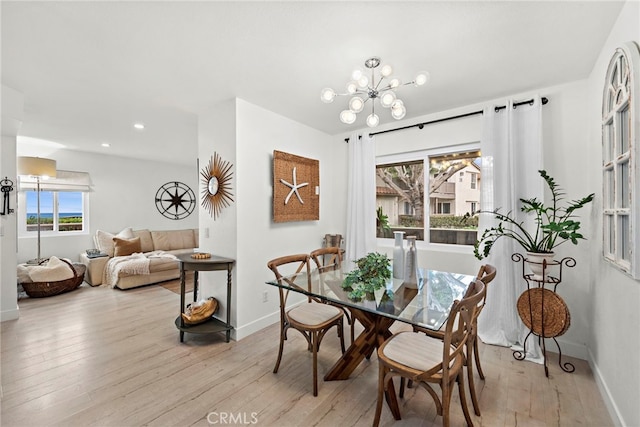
[216,185]
[213,186]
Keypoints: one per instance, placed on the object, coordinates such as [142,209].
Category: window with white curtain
[64,205]
[621,153]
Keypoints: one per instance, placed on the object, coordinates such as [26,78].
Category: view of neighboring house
[459,195]
[454,194]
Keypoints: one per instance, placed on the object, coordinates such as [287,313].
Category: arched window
[621,154]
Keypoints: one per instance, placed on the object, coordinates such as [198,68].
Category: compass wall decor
[175,200]
[296,181]
[216,185]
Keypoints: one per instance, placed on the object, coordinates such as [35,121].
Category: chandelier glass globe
[347,117]
[356,104]
[373,120]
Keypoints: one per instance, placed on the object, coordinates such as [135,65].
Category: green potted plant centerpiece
[372,273]
[554,224]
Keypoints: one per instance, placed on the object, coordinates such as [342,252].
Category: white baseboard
[616,417]
[569,348]
[9,314]
[255,326]
[261,323]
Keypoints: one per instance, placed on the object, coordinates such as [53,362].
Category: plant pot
[536,260]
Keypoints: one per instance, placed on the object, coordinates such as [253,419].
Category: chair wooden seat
[414,351]
[312,315]
[312,319]
[327,259]
[427,360]
[486,274]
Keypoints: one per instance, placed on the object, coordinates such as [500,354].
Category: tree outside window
[449,205]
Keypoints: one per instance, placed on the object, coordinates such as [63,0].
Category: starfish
[294,188]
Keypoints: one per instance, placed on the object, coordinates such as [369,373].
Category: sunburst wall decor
[216,185]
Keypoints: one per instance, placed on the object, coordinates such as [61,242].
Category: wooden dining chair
[427,360]
[312,319]
[486,274]
[328,259]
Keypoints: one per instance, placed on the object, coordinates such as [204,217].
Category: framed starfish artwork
[296,188]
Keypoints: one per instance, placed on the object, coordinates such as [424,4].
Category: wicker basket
[47,289]
[553,322]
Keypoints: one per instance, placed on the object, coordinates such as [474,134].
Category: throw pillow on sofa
[124,247]
[104,240]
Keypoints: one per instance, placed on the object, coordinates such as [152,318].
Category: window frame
[424,155]
[620,128]
[474,180]
[22,217]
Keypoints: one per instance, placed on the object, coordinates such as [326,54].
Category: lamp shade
[36,166]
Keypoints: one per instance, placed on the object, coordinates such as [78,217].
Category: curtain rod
[473,113]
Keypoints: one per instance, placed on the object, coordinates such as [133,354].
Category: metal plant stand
[541,309]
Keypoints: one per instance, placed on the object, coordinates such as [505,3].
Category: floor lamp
[37,168]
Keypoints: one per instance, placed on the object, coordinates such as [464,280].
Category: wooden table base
[376,331]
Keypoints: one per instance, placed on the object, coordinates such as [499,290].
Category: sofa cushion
[162,264]
[104,240]
[146,243]
[124,247]
[173,239]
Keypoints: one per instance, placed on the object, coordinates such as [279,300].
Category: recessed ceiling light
[106,144]
[139,126]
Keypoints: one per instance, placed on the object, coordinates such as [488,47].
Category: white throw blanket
[161,254]
[54,270]
[136,263]
[132,264]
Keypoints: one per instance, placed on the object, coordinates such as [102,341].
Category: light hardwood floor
[99,356]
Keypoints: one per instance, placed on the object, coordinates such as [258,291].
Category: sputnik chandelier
[362,89]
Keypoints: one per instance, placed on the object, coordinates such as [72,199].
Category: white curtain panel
[511,157]
[361,200]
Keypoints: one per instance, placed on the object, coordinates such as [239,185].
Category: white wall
[257,239]
[612,296]
[217,134]
[123,195]
[12,115]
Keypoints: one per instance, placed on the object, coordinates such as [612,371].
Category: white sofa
[160,269]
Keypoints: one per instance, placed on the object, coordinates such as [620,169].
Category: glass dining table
[428,306]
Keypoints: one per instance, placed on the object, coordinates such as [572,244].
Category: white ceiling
[89,70]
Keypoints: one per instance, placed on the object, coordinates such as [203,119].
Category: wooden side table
[215,263]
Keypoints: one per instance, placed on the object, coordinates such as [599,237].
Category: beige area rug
[174,285]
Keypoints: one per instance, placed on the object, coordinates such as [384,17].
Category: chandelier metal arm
[358,91]
[380,81]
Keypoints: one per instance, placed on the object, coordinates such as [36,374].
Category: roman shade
[64,181]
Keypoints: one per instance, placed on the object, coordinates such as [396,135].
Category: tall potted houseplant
[554,224]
